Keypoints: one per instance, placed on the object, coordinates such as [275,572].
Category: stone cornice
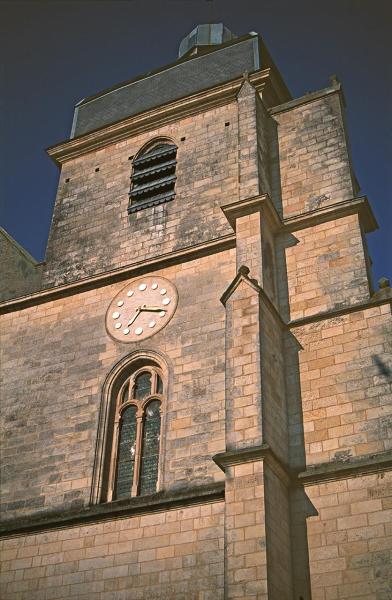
[121,509]
[330,471]
[247,206]
[143,266]
[245,455]
[263,81]
[353,467]
[352,206]
[311,97]
[330,314]
[263,203]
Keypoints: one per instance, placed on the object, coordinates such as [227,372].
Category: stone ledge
[247,206]
[119,509]
[366,465]
[336,312]
[311,97]
[220,244]
[245,455]
[360,206]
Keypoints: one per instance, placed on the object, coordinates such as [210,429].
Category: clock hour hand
[137,312]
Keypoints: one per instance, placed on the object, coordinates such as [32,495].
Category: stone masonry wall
[350,538]
[167,555]
[314,160]
[91,231]
[20,275]
[55,358]
[322,268]
[345,365]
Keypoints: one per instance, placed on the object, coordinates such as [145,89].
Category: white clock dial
[147,305]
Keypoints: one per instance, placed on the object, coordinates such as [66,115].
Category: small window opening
[153,177]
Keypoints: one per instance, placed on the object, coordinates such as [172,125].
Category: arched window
[134,439]
[153,176]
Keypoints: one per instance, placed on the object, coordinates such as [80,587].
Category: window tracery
[135,449]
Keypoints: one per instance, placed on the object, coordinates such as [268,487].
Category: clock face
[142,308]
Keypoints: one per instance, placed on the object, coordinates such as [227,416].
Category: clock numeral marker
[163,291]
[166,301]
[130,293]
[142,287]
[115,315]
[117,325]
[154,286]
[139,330]
[120,302]
[126,331]
[152,324]
[162,313]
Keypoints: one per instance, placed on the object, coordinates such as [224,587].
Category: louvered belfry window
[137,433]
[153,177]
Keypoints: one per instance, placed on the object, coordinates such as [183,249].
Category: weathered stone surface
[297,362]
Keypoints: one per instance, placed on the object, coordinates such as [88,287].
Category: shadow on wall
[383,369]
[284,241]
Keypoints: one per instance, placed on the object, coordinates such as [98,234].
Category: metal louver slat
[153,178]
[166,166]
[147,158]
[152,186]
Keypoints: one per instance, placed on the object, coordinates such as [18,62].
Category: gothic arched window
[153,176]
[136,434]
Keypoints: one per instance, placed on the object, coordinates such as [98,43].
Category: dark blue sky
[58,52]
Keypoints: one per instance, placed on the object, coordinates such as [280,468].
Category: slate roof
[175,81]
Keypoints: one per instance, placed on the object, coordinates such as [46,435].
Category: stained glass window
[126,452]
[150,448]
[142,385]
[135,455]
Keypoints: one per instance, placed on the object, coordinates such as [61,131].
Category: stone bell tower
[198,390]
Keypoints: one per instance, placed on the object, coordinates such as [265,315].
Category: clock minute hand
[137,312]
[152,308]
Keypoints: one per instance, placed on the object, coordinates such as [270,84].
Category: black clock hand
[152,308]
[138,310]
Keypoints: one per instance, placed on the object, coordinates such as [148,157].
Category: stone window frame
[141,407]
[105,464]
[146,190]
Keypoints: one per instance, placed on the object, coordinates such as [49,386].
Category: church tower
[197,398]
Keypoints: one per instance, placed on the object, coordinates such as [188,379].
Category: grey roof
[176,81]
